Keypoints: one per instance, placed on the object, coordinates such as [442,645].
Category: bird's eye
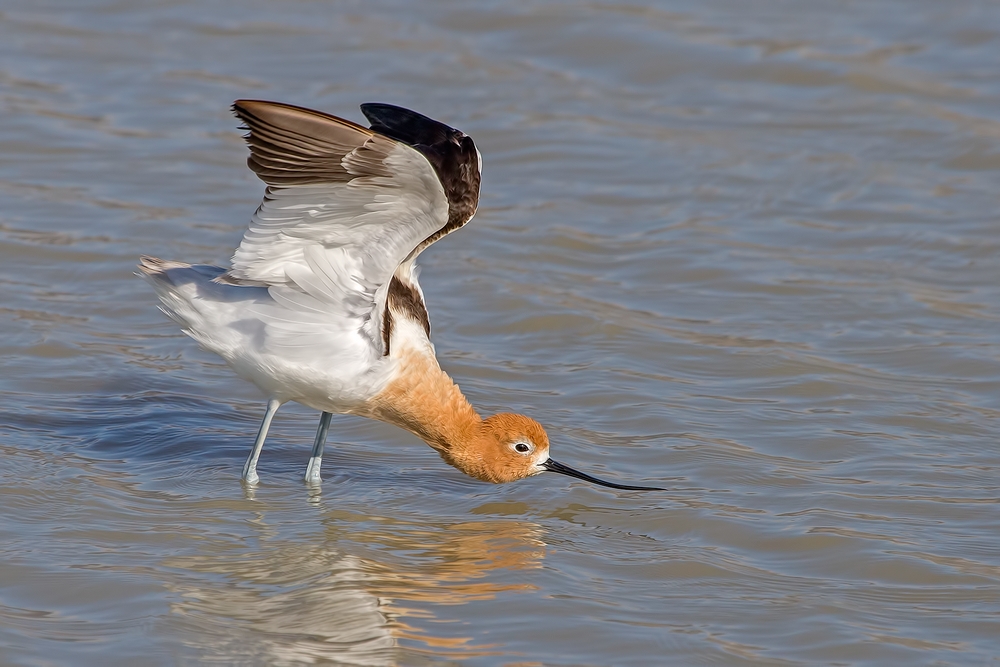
[522,447]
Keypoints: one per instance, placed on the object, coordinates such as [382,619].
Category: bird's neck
[424,400]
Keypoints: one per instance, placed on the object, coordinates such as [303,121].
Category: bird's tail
[176,283]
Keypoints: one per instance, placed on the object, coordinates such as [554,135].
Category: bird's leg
[316,458]
[250,467]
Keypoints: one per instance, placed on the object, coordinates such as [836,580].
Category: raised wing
[346,205]
[452,153]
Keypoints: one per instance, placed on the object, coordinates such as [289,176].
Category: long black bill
[554,466]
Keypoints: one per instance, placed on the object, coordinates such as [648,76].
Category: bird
[321,304]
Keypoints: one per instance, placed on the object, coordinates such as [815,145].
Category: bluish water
[745,250]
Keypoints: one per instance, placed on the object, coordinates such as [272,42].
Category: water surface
[745,250]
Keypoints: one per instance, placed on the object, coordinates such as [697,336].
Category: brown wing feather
[291,145]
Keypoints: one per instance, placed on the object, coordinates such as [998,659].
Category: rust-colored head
[508,447]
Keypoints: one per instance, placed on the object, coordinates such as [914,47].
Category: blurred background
[744,250]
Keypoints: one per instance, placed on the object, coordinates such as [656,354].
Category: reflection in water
[281,602]
[454,566]
[284,606]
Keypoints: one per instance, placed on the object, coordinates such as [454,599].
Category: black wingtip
[405,125]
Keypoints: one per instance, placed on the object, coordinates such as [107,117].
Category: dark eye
[522,448]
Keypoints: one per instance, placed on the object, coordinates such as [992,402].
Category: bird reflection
[285,601]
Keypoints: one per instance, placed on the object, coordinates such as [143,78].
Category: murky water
[748,250]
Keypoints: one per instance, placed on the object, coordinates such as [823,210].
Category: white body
[333,369]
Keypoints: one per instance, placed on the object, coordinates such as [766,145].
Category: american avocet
[322,304]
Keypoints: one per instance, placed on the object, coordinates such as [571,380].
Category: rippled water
[748,250]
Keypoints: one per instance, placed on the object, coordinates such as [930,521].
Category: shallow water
[745,250]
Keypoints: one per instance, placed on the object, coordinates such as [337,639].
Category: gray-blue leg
[316,458]
[250,467]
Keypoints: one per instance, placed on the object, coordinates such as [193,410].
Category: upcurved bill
[555,466]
